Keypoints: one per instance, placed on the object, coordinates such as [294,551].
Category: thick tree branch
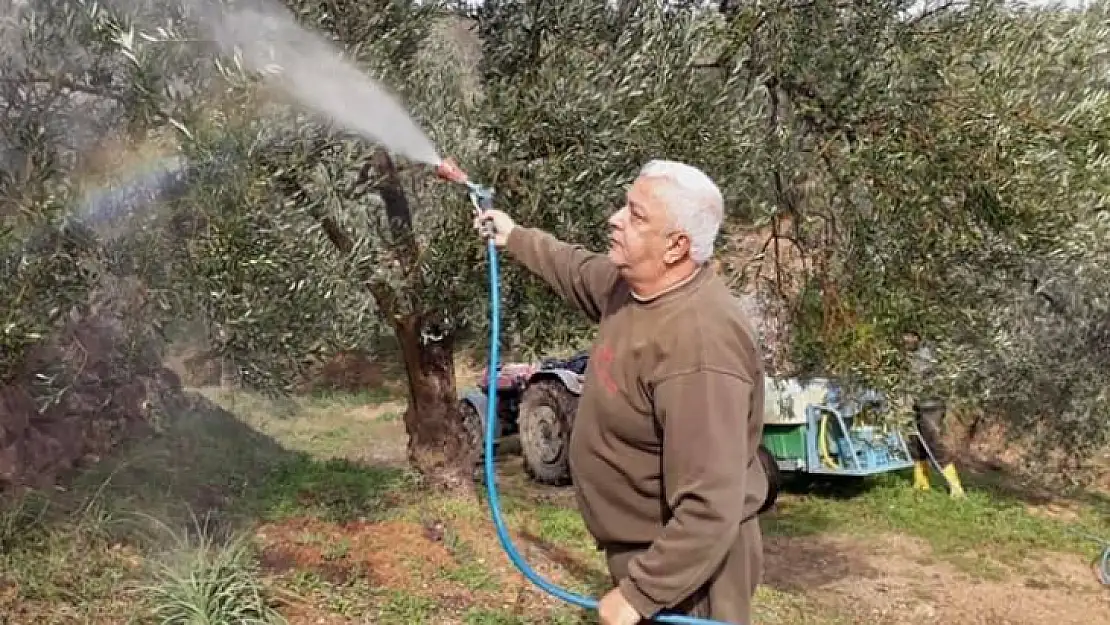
[338,237]
[536,37]
[392,191]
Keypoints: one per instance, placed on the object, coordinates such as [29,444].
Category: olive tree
[911,170]
[901,159]
[68,96]
[935,166]
[306,216]
[282,235]
[314,237]
[578,98]
[905,155]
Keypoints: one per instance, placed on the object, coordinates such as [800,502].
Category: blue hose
[1104,566]
[491,486]
[1101,563]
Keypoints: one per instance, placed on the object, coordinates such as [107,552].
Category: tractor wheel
[774,477]
[476,429]
[546,413]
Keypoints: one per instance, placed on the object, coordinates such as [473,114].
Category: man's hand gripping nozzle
[481,197]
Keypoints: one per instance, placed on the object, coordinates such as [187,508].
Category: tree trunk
[439,446]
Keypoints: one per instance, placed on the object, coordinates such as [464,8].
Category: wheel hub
[548,433]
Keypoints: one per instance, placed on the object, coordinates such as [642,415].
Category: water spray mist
[267,39]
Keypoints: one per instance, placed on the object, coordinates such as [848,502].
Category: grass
[246,511]
[990,523]
[203,580]
[335,490]
[401,607]
[70,563]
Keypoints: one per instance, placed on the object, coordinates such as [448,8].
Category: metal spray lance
[481,197]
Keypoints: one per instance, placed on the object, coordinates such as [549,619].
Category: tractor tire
[546,416]
[475,429]
[774,478]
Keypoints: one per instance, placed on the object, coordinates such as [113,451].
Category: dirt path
[898,581]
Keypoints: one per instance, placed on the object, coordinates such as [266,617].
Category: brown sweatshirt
[663,449]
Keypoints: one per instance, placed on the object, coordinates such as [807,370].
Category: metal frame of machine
[811,426]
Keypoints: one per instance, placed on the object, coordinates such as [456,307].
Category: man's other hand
[495,224]
[614,609]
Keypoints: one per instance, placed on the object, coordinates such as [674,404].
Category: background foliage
[943,170]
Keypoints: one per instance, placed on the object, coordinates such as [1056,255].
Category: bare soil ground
[898,580]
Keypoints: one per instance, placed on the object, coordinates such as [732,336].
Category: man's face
[642,242]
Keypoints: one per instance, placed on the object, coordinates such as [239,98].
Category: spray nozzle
[450,171]
[481,197]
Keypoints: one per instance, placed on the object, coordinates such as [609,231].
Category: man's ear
[678,247]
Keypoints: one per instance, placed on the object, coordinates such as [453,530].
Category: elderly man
[663,451]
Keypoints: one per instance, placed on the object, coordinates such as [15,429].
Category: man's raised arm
[579,276]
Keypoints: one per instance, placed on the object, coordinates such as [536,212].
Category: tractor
[536,402]
[812,427]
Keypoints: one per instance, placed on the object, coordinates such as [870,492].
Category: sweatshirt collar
[678,287]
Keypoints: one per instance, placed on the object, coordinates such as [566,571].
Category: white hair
[693,201]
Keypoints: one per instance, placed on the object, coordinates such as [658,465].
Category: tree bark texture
[439,445]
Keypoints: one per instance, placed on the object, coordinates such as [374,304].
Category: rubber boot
[955,488]
[921,475]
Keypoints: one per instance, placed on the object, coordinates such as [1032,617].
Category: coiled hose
[491,485]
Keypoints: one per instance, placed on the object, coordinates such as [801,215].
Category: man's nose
[616,218]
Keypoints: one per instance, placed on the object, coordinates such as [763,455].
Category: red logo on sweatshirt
[605,359]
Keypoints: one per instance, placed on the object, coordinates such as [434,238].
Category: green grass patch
[390,416]
[469,571]
[483,616]
[474,576]
[67,554]
[480,616]
[201,580]
[69,559]
[417,507]
[205,458]
[562,526]
[550,522]
[986,522]
[403,608]
[335,399]
[352,600]
[209,459]
[335,490]
[331,426]
[777,607]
